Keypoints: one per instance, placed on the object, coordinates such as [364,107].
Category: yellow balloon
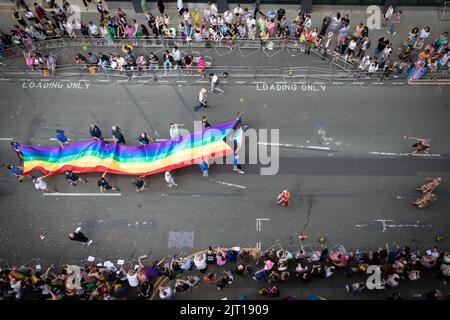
[241,100]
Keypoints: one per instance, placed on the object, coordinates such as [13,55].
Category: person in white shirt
[69,29]
[213,8]
[213,20]
[215,83]
[93,30]
[200,262]
[238,10]
[174,131]
[424,33]
[187,17]
[165,292]
[132,278]
[169,179]
[180,7]
[228,16]
[176,54]
[41,185]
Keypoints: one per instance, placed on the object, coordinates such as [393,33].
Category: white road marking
[258,223]
[181,81]
[405,154]
[6,139]
[294,146]
[388,225]
[83,194]
[240,82]
[258,245]
[337,83]
[398,83]
[228,184]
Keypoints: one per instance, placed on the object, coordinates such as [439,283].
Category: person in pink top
[271,26]
[220,258]
[201,66]
[129,30]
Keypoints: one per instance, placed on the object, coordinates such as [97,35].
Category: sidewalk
[412,17]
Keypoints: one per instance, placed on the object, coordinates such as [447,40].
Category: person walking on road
[174,131]
[62,138]
[73,178]
[77,235]
[215,83]
[169,179]
[145,139]
[283,198]
[205,123]
[395,22]
[15,146]
[117,135]
[139,183]
[202,96]
[16,171]
[95,132]
[103,184]
[41,185]
[204,166]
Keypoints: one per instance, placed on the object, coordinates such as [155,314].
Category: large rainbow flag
[97,156]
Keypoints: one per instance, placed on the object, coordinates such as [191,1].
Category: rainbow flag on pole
[302,236]
[97,156]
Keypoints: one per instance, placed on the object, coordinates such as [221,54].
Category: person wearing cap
[202,96]
[283,198]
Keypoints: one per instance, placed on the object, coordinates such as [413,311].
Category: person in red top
[283,198]
[40,12]
[395,22]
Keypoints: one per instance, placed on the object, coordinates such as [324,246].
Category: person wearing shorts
[41,185]
[104,184]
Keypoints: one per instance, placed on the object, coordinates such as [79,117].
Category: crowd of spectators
[336,38]
[218,268]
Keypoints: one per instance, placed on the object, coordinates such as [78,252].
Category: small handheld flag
[302,236]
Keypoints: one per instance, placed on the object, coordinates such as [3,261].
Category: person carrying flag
[15,146]
[283,198]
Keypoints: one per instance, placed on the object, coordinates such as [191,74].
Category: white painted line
[181,81]
[379,83]
[6,139]
[300,82]
[83,194]
[161,139]
[163,81]
[294,146]
[44,80]
[240,82]
[259,82]
[65,80]
[318,82]
[337,83]
[405,154]
[258,245]
[258,223]
[228,184]
[398,83]
[83,80]
[281,82]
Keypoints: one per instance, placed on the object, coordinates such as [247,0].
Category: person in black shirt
[95,132]
[211,256]
[144,138]
[77,235]
[205,123]
[104,184]
[139,183]
[72,178]
[117,135]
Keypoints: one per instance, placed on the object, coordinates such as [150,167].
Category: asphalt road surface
[354,197]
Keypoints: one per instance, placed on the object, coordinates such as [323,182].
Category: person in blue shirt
[62,137]
[16,171]
[144,138]
[204,166]
[95,132]
[72,178]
